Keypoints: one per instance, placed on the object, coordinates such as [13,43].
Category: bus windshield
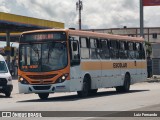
[43,57]
[3,67]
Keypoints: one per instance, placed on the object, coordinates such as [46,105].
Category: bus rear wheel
[43,96]
[126,85]
[93,91]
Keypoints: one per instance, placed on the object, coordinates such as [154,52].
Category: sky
[96,14]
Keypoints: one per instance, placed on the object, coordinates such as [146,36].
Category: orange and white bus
[60,60]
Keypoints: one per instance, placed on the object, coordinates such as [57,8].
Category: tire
[7,90]
[7,94]
[85,89]
[93,92]
[126,85]
[43,96]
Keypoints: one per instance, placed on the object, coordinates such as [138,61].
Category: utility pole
[141,19]
[79,7]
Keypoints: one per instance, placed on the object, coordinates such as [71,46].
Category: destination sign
[41,36]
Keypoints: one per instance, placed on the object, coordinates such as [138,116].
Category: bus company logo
[6,114]
[119,65]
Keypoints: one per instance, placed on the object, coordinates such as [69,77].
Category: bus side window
[137,51]
[114,49]
[123,50]
[94,48]
[104,49]
[74,51]
[84,48]
[131,53]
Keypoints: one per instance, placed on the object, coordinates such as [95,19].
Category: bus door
[75,72]
[132,63]
[140,61]
[144,62]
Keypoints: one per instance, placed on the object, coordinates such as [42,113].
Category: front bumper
[48,88]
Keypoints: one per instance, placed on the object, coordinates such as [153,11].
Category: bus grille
[3,82]
[37,77]
[40,82]
[41,87]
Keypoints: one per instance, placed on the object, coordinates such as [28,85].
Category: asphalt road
[142,97]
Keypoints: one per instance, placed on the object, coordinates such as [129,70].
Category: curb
[151,80]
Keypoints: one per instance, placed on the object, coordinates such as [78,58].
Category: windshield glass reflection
[43,57]
[3,67]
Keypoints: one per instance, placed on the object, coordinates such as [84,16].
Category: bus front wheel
[85,89]
[43,96]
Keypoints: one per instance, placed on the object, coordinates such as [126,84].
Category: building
[151,34]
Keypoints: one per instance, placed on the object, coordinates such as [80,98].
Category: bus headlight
[22,80]
[62,78]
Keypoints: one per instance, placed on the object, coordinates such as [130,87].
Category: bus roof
[92,34]
[105,35]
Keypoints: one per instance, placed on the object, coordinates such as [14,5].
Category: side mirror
[74,45]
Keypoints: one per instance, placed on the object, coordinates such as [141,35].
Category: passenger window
[93,43]
[131,53]
[84,48]
[83,42]
[123,50]
[104,49]
[114,49]
[94,48]
[137,51]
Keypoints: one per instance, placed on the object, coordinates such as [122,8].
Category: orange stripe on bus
[94,65]
[91,66]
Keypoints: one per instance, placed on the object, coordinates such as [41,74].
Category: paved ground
[142,97]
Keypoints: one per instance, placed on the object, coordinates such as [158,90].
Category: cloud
[3,6]
[95,14]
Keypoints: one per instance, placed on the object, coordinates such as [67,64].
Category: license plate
[1,87]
